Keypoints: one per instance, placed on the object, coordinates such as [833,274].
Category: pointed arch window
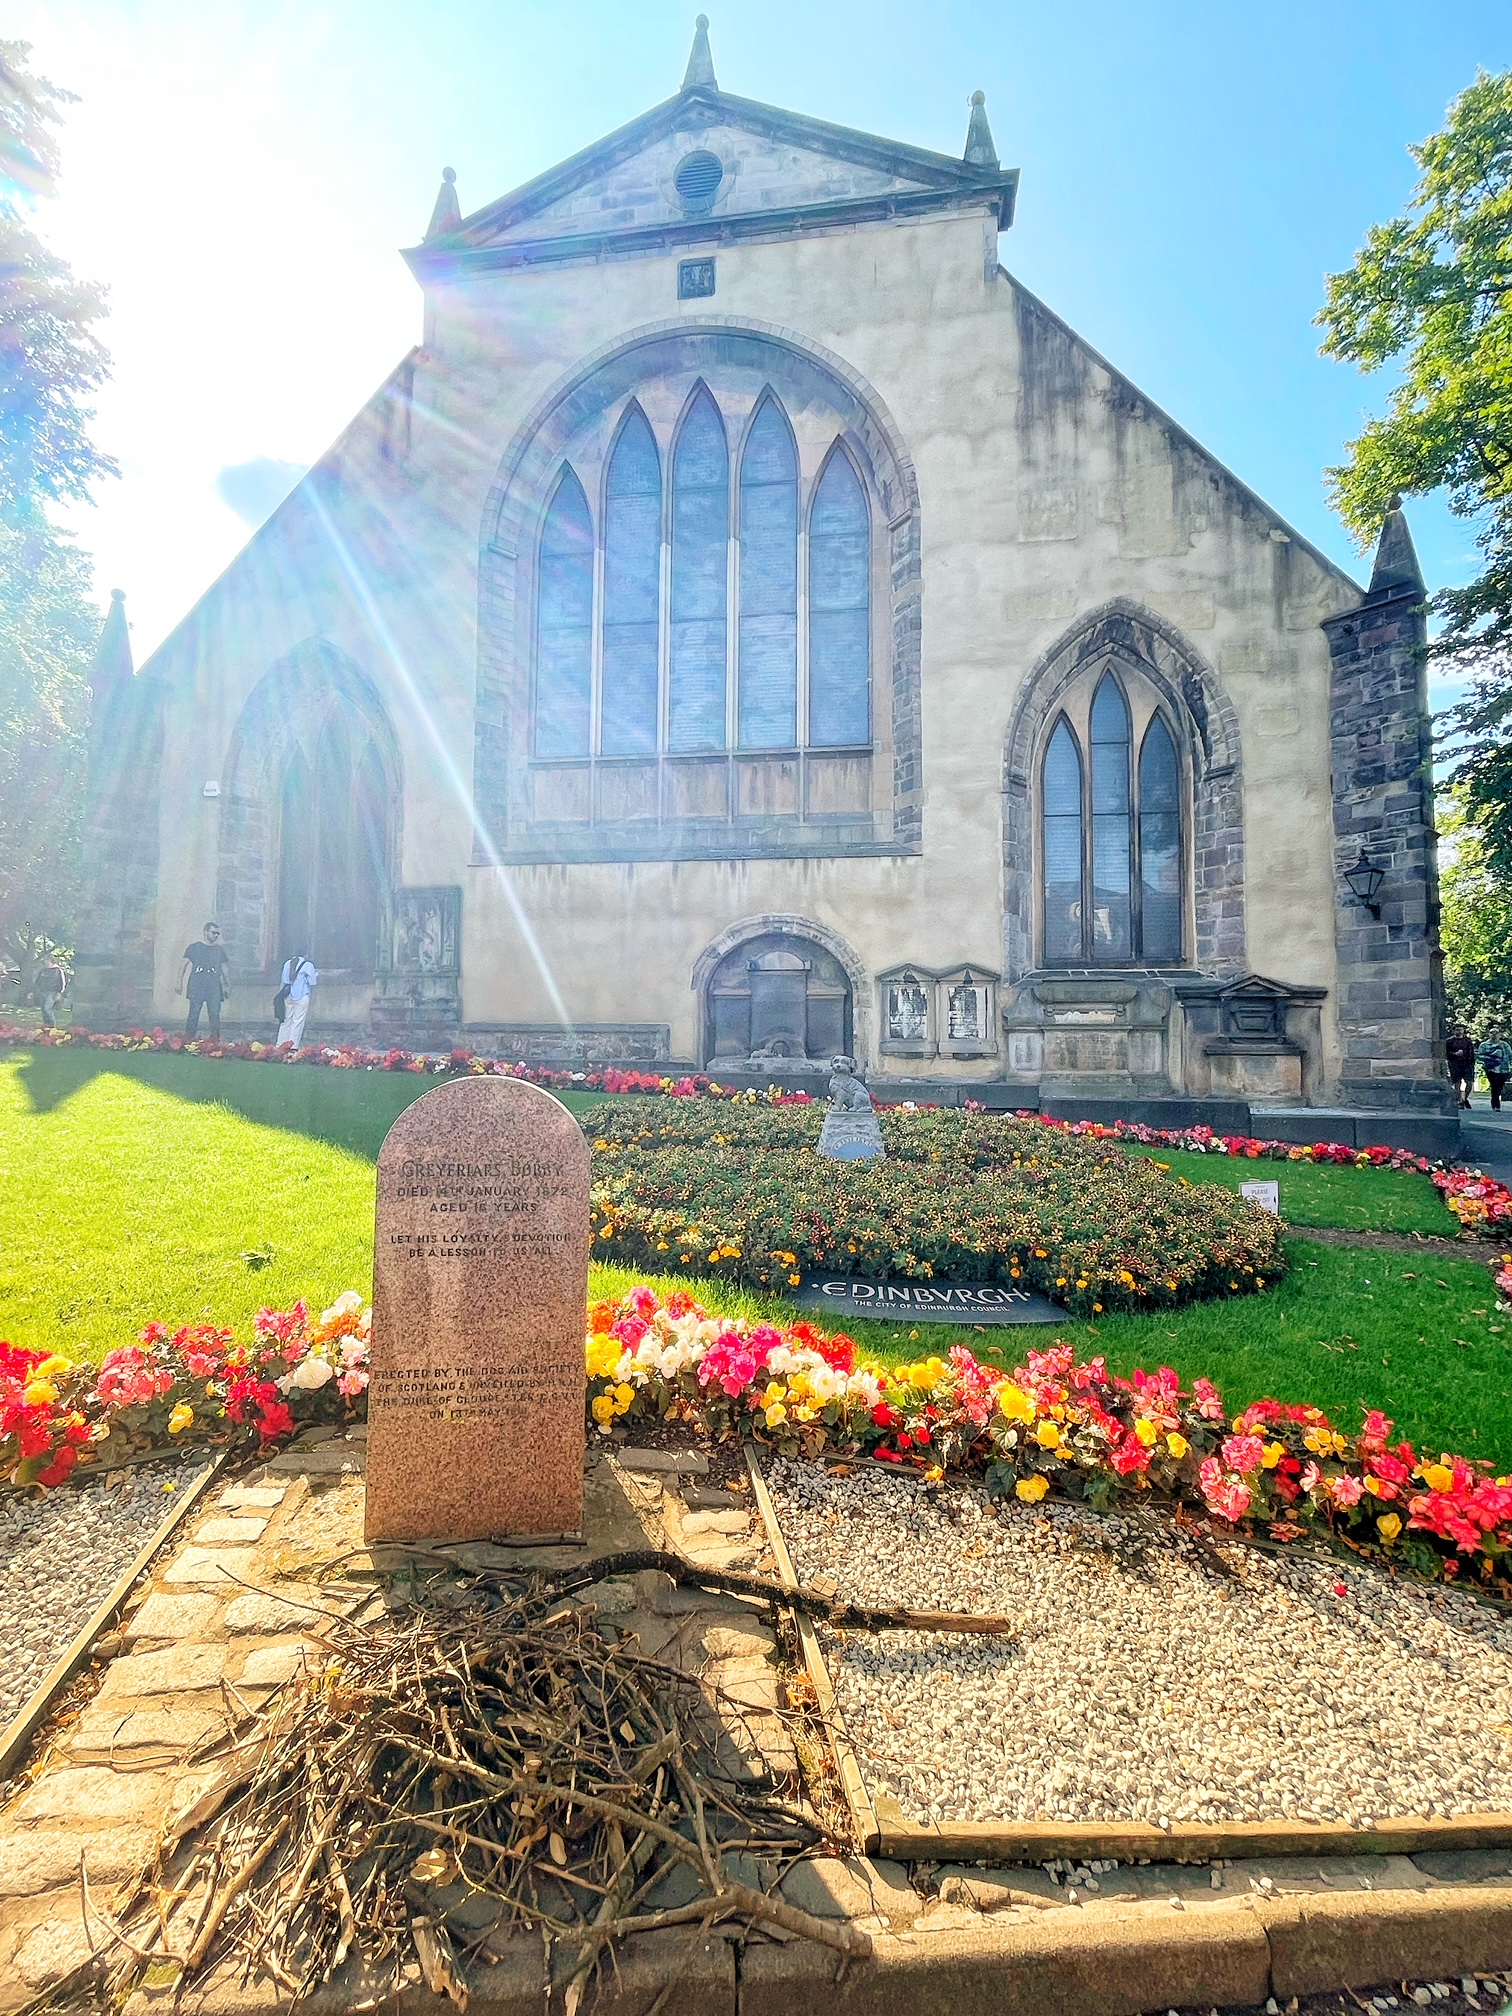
[564,624]
[700,580]
[632,592]
[767,671]
[839,609]
[1111,837]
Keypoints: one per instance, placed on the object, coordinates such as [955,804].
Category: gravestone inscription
[480,1282]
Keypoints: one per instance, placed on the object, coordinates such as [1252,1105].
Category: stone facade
[1039,543]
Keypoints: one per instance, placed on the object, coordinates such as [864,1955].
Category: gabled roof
[896,179]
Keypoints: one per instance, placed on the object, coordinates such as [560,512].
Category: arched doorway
[333,847]
[777,996]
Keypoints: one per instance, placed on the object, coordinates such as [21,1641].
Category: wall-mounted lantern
[1364,880]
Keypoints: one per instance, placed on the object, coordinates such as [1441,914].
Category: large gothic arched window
[632,591]
[700,579]
[839,609]
[1111,841]
[768,668]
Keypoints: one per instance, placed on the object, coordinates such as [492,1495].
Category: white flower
[309,1375]
[344,1305]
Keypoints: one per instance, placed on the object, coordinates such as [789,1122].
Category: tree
[1476,929]
[50,360]
[1431,294]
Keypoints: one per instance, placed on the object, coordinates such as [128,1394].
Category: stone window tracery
[1111,833]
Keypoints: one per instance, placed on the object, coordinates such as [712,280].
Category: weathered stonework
[1390,987]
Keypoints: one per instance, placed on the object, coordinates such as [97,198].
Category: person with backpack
[1495,1056]
[292,1002]
[49,987]
[1459,1054]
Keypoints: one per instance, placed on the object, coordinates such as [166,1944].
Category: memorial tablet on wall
[480,1286]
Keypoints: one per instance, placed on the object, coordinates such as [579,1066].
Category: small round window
[697,179]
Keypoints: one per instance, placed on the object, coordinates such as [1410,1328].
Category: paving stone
[33,1862]
[55,1947]
[263,1496]
[211,1564]
[717,1522]
[271,1665]
[92,1795]
[178,1670]
[231,1532]
[854,1888]
[710,1552]
[328,1461]
[709,1498]
[687,1462]
[171,1617]
[725,1641]
[288,1609]
[114,1730]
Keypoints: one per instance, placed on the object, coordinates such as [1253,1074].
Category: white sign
[1266,1195]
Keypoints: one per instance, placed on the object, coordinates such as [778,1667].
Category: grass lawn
[133,1187]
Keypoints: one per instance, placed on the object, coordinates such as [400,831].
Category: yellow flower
[775,1393]
[1274,1451]
[1145,1432]
[1032,1489]
[1373,1486]
[1178,1445]
[1048,1435]
[53,1368]
[794,1279]
[40,1393]
[934,1474]
[1437,1476]
[181,1418]
[776,1414]
[1389,1527]
[1015,1402]
[602,1409]
[623,1396]
[603,1356]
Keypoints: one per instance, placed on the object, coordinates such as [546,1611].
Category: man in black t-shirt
[203,978]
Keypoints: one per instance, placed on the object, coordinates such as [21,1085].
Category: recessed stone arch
[802,376]
[749,932]
[282,719]
[1122,633]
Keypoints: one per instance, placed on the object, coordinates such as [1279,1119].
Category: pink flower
[1346,1490]
[1225,1495]
[1208,1400]
[130,1378]
[1243,1452]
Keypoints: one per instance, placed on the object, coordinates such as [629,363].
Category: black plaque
[968,1302]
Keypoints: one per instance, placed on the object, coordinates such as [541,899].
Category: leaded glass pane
[1112,908]
[1160,845]
[1062,799]
[700,591]
[769,584]
[839,610]
[564,624]
[632,591]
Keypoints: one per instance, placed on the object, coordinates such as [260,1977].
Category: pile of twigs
[446,1781]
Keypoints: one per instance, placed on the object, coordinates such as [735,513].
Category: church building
[749,627]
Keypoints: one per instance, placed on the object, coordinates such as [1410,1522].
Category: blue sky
[241,176]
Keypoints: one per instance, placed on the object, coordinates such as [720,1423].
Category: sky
[241,173]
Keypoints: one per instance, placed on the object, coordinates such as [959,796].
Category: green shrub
[740,1192]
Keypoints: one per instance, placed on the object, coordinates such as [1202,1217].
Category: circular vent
[697,179]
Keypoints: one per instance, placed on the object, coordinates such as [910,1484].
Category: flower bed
[966,1196]
[1052,1424]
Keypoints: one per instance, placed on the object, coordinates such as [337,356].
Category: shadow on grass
[347,1109]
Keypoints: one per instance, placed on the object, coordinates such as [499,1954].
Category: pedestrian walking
[202,977]
[49,987]
[1459,1054]
[293,1001]
[1495,1056]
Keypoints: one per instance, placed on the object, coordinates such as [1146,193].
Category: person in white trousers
[300,977]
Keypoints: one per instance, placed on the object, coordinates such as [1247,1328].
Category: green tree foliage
[50,361]
[1430,295]
[1476,928]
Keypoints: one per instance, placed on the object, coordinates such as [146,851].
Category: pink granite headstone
[480,1284]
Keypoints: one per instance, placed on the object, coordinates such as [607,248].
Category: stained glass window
[839,610]
[768,669]
[1160,844]
[700,587]
[564,624]
[632,592]
[1062,791]
[1112,909]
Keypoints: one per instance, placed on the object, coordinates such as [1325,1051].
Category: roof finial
[699,75]
[447,214]
[980,151]
[1396,563]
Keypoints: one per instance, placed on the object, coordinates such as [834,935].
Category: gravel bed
[60,1551]
[1144,1684]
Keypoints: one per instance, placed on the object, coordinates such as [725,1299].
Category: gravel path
[1144,1684]
[59,1554]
